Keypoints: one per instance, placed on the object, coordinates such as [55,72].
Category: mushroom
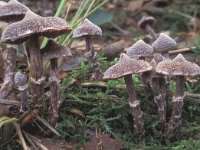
[89,30]
[158,85]
[146,23]
[21,82]
[178,67]
[29,30]
[10,12]
[125,67]
[163,44]
[140,50]
[53,51]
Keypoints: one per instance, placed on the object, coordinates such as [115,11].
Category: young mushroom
[163,44]
[53,51]
[125,67]
[10,12]
[179,67]
[22,85]
[146,23]
[29,30]
[89,30]
[141,50]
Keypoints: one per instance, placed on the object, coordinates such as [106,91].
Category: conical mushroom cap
[20,79]
[146,20]
[156,60]
[87,28]
[125,66]
[140,49]
[34,25]
[178,66]
[54,50]
[164,43]
[12,11]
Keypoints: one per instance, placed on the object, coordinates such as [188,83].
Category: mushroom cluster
[156,74]
[27,27]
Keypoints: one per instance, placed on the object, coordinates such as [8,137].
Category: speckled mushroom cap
[12,11]
[20,79]
[140,49]
[156,60]
[146,20]
[178,66]
[164,43]
[34,25]
[87,28]
[54,50]
[125,66]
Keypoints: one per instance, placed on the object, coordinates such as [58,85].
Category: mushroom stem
[134,104]
[177,105]
[150,31]
[9,74]
[159,90]
[36,72]
[96,75]
[54,88]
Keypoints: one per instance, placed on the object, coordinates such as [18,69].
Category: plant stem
[177,104]
[9,74]
[96,75]
[54,88]
[36,72]
[134,104]
[159,90]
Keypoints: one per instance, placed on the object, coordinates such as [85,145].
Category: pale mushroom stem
[96,75]
[149,29]
[54,89]
[9,73]
[159,90]
[36,72]
[23,96]
[177,105]
[134,104]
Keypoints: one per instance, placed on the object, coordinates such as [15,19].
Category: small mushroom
[29,30]
[178,67]
[163,44]
[21,82]
[125,67]
[10,12]
[146,23]
[88,30]
[53,51]
[140,50]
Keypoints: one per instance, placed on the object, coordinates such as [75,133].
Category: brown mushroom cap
[146,20]
[164,43]
[87,28]
[54,50]
[34,25]
[125,66]
[140,48]
[12,11]
[178,66]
